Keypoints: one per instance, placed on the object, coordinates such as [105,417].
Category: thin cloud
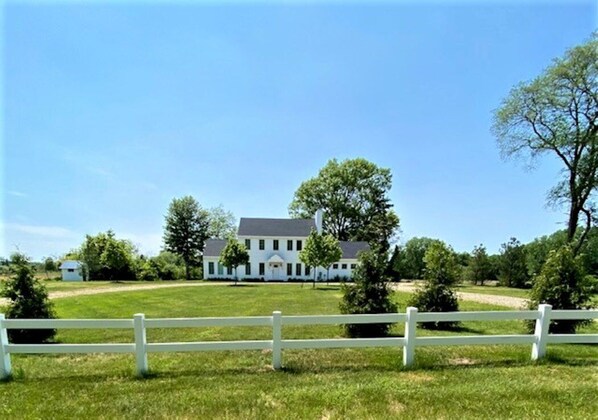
[17,193]
[40,231]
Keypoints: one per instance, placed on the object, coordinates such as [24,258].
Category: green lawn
[62,286]
[494,290]
[447,382]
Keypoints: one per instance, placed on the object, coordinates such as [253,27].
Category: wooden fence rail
[277,344]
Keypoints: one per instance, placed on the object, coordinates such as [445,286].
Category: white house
[274,246]
[71,270]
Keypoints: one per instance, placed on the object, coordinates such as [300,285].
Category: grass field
[447,382]
[493,290]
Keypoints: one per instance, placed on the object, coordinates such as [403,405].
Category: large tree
[186,230]
[512,265]
[354,196]
[479,267]
[320,251]
[106,257]
[557,114]
[221,223]
[412,261]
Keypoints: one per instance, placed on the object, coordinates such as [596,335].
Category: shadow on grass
[242,285]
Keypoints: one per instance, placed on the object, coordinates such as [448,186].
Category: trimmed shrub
[28,299]
[562,284]
[369,294]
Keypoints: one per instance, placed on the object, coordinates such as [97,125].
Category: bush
[562,284]
[368,295]
[437,296]
[28,299]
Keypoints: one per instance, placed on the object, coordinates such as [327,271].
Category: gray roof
[70,264]
[351,249]
[214,247]
[249,226]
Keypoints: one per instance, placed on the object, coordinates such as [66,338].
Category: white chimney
[319,217]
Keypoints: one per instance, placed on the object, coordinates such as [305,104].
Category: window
[299,245]
[70,270]
[229,271]
[335,266]
[298,269]
[262,269]
[262,244]
[248,244]
[248,269]
[353,266]
[289,269]
[289,245]
[307,270]
[275,245]
[344,266]
[220,269]
[211,267]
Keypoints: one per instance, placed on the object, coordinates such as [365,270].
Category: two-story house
[274,246]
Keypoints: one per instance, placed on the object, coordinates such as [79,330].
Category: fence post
[276,340]
[140,343]
[409,347]
[541,332]
[5,368]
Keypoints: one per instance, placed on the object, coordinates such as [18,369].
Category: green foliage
[512,265]
[221,223]
[395,267]
[233,255]
[479,267]
[369,294]
[165,266]
[436,295]
[49,264]
[107,258]
[186,231]
[562,284]
[555,114]
[320,251]
[28,298]
[411,263]
[354,196]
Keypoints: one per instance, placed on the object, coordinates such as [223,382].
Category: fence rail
[409,342]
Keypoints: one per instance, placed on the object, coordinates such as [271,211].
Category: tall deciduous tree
[107,258]
[557,114]
[479,267]
[233,255]
[354,196]
[412,262]
[186,230]
[320,251]
[221,223]
[512,265]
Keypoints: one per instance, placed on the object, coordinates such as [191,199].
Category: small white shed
[71,270]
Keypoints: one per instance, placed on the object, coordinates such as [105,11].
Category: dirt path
[508,301]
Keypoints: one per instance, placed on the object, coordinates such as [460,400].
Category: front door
[276,272]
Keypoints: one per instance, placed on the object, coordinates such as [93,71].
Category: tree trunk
[187,271]
[573,221]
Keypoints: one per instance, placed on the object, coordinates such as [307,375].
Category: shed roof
[214,247]
[70,264]
[250,226]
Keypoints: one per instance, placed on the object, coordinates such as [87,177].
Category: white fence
[409,342]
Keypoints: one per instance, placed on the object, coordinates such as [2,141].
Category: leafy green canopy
[28,298]
[479,268]
[562,284]
[369,294]
[186,230]
[557,114]
[233,255]
[354,196]
[107,258]
[320,251]
[512,265]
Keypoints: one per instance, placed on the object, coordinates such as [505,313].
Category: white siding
[75,275]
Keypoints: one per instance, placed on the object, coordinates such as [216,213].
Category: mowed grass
[447,382]
[494,290]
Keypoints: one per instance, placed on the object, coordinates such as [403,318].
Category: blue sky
[110,111]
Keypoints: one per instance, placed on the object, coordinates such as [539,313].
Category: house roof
[214,247]
[249,226]
[351,249]
[70,264]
